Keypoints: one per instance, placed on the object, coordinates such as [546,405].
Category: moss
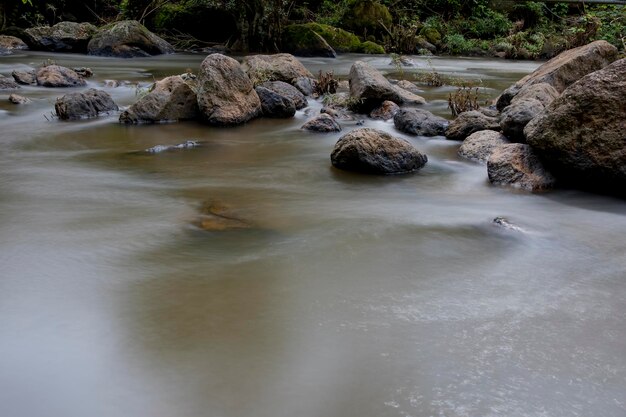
[372,48]
[304,41]
[339,39]
[431,34]
[365,17]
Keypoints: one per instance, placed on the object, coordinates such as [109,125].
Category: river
[348,295]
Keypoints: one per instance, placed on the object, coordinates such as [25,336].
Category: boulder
[338,39]
[24,77]
[469,122]
[279,67]
[542,92]
[7,83]
[370,88]
[480,145]
[303,41]
[420,122]
[322,123]
[517,166]
[386,111]
[17,99]
[170,99]
[288,91]
[581,136]
[376,152]
[305,85]
[127,39]
[565,69]
[409,86]
[516,116]
[8,44]
[226,95]
[85,105]
[275,105]
[58,76]
[408,97]
[62,37]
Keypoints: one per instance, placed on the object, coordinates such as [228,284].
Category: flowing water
[344,295]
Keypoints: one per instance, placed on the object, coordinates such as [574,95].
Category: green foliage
[457,44]
[339,39]
[532,13]
[612,24]
[369,47]
[489,26]
[367,17]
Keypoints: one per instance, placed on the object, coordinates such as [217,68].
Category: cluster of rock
[564,123]
[123,39]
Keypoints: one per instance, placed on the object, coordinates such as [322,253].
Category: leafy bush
[456,44]
[491,26]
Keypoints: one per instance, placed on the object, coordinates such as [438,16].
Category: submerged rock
[376,152]
[420,122]
[517,166]
[480,145]
[504,223]
[190,144]
[85,105]
[322,123]
[58,76]
[218,217]
[127,39]
[17,99]
[62,37]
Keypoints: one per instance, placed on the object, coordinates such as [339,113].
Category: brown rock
[469,122]
[58,76]
[480,145]
[517,166]
[279,67]
[386,111]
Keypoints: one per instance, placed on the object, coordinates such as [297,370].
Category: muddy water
[344,295]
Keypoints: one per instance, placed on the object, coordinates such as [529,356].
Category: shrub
[373,48]
[456,44]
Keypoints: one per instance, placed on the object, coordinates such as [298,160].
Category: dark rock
[581,136]
[226,95]
[24,77]
[57,76]
[517,115]
[287,91]
[170,100]
[565,69]
[480,145]
[517,166]
[62,37]
[279,67]
[83,72]
[86,105]
[420,122]
[322,123]
[17,99]
[386,111]
[275,105]
[305,85]
[469,122]
[376,152]
[127,39]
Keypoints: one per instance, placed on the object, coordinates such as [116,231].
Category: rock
[217,217]
[8,44]
[58,76]
[322,123]
[275,105]
[422,43]
[409,86]
[490,111]
[517,166]
[516,116]
[287,91]
[110,83]
[376,152]
[8,84]
[226,95]
[189,144]
[581,136]
[86,105]
[386,111]
[338,39]
[83,72]
[420,122]
[279,67]
[305,85]
[505,223]
[17,99]
[369,87]
[343,85]
[564,69]
[171,99]
[480,145]
[469,122]
[62,37]
[127,39]
[303,41]
[371,48]
[337,113]
[24,77]
[408,97]
[542,92]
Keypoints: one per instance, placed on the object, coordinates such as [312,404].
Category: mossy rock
[127,39]
[372,48]
[303,41]
[431,34]
[365,17]
[340,40]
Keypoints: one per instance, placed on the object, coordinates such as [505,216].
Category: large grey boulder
[376,152]
[370,88]
[58,76]
[127,39]
[565,69]
[279,67]
[581,136]
[542,92]
[288,91]
[516,165]
[85,105]
[517,115]
[469,122]
[479,146]
[25,77]
[322,123]
[275,105]
[8,44]
[226,95]
[62,37]
[420,122]
[171,99]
